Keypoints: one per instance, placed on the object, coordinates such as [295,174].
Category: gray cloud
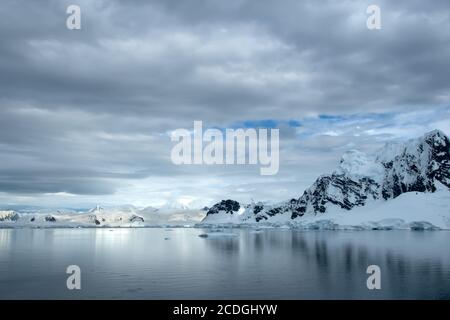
[87,112]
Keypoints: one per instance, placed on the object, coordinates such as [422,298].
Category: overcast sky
[85,115]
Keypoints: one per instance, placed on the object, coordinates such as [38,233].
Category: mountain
[110,217]
[175,206]
[420,165]
[9,215]
[182,205]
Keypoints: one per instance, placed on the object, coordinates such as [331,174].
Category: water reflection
[413,263]
[5,238]
[176,263]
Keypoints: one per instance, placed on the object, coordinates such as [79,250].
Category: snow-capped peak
[175,205]
[97,209]
[417,165]
[358,164]
[430,140]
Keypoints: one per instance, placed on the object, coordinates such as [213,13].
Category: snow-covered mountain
[420,165]
[174,205]
[120,216]
[9,215]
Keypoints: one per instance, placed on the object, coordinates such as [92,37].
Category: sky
[86,115]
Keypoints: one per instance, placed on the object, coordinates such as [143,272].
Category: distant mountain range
[118,216]
[420,165]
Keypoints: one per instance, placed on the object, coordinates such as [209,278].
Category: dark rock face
[50,219]
[229,206]
[10,216]
[258,208]
[338,190]
[418,167]
[136,218]
[93,218]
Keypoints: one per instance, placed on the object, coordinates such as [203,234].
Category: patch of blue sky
[391,125]
[349,124]
[355,117]
[266,123]
[336,125]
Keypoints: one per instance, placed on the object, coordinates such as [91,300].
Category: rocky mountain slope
[419,165]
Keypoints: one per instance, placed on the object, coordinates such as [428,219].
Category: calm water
[178,264]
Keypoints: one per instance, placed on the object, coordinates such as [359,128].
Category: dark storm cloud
[87,111]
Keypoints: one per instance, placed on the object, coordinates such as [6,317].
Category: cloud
[87,112]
